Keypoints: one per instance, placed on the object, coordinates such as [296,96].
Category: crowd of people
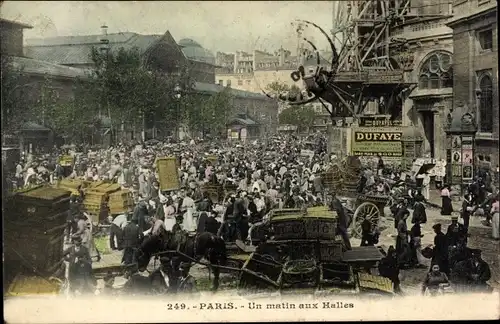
[281,172]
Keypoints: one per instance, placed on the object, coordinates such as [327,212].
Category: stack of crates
[120,201]
[34,224]
[96,199]
[71,185]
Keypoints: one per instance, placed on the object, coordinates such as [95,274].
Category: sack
[428,252]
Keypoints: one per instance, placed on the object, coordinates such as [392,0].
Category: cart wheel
[366,210]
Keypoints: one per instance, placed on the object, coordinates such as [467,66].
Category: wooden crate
[107,188]
[120,201]
[24,285]
[39,250]
[95,197]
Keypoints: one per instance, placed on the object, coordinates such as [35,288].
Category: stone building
[37,77]
[75,51]
[429,48]
[201,60]
[164,54]
[475,67]
[254,72]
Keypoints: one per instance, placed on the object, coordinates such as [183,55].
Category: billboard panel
[372,141]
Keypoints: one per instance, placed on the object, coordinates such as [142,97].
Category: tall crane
[366,61]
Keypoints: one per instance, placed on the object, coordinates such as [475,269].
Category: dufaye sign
[372,141]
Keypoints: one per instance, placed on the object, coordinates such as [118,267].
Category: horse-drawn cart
[304,252]
[367,207]
[343,178]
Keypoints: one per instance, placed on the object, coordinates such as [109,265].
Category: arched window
[436,72]
[486,105]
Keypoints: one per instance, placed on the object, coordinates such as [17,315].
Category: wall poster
[467,172]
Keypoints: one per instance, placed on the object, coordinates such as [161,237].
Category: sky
[217,25]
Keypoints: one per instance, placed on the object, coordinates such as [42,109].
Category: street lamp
[177,96]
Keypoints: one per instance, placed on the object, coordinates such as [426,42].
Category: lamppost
[460,138]
[177,96]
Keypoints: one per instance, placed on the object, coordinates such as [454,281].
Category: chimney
[104,38]
[281,56]
[104,30]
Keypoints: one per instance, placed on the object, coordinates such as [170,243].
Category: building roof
[76,50]
[33,66]
[194,51]
[215,88]
[242,119]
[14,23]
[31,126]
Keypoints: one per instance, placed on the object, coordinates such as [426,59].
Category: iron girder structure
[361,67]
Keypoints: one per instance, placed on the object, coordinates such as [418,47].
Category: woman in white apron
[188,223]
[495,219]
[170,213]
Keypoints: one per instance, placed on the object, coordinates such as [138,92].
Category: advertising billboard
[372,141]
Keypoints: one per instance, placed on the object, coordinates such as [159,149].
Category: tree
[16,97]
[216,111]
[131,94]
[302,116]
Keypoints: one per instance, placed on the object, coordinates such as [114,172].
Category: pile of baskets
[352,172]
[333,178]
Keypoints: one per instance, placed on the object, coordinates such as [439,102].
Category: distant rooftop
[33,66]
[194,51]
[14,23]
[76,50]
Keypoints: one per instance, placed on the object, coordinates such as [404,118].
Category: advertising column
[467,159]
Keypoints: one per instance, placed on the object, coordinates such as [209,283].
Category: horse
[202,245]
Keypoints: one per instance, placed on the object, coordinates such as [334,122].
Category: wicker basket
[300,271]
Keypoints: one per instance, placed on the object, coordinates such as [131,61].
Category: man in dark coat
[342,221]
[388,268]
[455,233]
[205,205]
[419,214]
[467,207]
[80,265]
[369,234]
[132,236]
[72,217]
[140,213]
[440,252]
[402,244]
[401,213]
[473,272]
